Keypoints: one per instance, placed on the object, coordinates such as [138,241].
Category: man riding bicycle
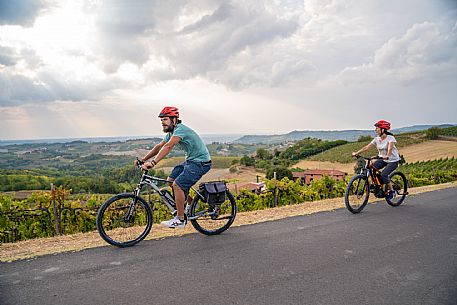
[186,174]
[385,143]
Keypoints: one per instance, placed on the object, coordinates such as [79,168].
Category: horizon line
[211,134]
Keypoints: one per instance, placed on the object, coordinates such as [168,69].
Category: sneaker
[174,223]
[390,195]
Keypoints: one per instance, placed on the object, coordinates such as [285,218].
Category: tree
[235,161]
[246,160]
[366,138]
[263,154]
[433,133]
[281,172]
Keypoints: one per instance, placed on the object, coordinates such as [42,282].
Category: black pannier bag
[213,192]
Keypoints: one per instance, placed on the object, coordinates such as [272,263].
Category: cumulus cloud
[21,12]
[8,56]
[221,46]
[186,39]
[11,56]
[264,67]
[48,86]
[423,51]
[18,89]
[239,44]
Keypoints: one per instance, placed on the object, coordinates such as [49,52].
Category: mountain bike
[126,219]
[368,181]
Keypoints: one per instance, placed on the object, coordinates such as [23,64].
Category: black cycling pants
[389,168]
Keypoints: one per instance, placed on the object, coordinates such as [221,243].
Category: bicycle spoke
[213,219]
[356,196]
[399,185]
[124,220]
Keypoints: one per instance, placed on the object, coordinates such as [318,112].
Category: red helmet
[383,124]
[169,111]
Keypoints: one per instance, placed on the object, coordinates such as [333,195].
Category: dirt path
[77,242]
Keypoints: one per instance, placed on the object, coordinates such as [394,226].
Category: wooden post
[54,208]
[275,191]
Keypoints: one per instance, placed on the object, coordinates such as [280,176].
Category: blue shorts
[186,174]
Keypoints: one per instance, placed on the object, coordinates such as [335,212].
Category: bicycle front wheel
[400,187]
[357,192]
[124,220]
[212,219]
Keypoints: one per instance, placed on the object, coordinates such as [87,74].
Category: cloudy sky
[85,68]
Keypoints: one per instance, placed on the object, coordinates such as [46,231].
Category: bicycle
[126,219]
[368,181]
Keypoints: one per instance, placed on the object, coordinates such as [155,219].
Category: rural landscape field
[86,174]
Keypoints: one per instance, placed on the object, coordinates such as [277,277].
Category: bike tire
[209,219]
[400,187]
[115,229]
[357,193]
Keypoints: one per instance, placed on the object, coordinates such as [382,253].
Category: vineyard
[430,172]
[450,131]
[342,153]
[84,185]
[47,214]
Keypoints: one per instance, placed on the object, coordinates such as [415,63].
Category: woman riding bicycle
[385,143]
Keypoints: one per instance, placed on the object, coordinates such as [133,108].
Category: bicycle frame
[168,201]
[118,215]
[372,172]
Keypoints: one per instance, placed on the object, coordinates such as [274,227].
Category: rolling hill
[348,135]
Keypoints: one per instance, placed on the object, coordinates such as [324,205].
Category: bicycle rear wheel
[357,192]
[400,187]
[212,219]
[124,220]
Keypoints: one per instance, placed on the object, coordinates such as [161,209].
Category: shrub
[433,133]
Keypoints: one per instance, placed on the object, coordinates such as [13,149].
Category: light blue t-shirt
[190,142]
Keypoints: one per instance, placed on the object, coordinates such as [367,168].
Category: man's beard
[168,128]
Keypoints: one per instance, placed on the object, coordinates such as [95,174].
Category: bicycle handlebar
[369,158]
[140,163]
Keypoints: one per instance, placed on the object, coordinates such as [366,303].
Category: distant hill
[348,135]
[207,138]
[420,127]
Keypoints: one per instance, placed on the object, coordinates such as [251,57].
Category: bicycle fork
[129,214]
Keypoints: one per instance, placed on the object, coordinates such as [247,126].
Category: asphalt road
[385,255]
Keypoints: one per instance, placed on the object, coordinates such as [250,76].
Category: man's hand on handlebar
[138,162]
[144,165]
[147,165]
